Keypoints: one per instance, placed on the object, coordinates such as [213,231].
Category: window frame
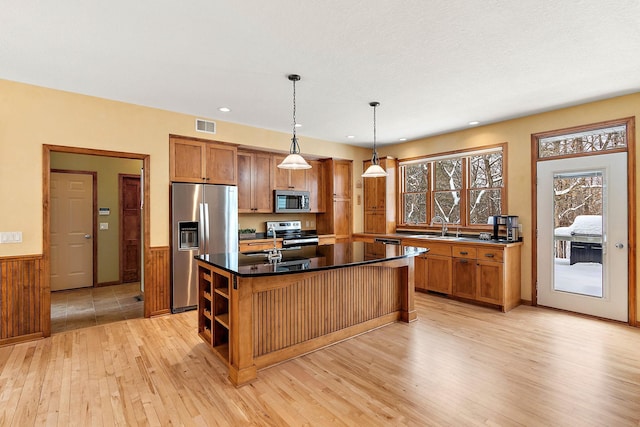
[464,155]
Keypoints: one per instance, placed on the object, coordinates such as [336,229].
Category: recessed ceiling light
[224,109]
[402,139]
[473,123]
[298,125]
[351,136]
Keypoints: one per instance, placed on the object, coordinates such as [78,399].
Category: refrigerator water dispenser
[188,231]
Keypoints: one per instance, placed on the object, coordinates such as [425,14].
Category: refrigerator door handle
[201,229]
[206,228]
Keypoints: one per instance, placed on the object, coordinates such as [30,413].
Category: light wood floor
[457,365]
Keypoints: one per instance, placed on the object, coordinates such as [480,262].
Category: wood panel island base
[255,314]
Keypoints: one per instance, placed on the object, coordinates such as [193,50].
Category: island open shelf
[255,314]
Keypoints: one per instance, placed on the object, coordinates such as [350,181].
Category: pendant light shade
[294,160]
[374,170]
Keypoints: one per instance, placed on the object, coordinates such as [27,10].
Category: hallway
[81,308]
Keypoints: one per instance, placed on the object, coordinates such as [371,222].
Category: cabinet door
[342,179]
[420,272]
[315,179]
[262,183]
[464,278]
[374,222]
[370,194]
[381,194]
[489,282]
[186,161]
[280,176]
[287,179]
[342,219]
[439,273]
[245,186]
[221,164]
[298,179]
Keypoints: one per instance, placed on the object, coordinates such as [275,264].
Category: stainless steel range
[291,233]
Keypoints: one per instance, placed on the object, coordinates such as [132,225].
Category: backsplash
[258,221]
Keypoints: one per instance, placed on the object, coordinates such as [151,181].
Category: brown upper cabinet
[380,199]
[255,182]
[315,178]
[194,160]
[311,180]
[288,179]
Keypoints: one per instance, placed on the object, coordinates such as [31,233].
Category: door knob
[619,245]
[87,236]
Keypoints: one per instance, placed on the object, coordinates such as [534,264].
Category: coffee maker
[510,223]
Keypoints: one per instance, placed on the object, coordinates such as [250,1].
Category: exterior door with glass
[582,254]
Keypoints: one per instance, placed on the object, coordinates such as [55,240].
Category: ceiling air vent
[205,126]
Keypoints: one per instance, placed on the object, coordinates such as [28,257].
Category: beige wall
[108,169]
[517,133]
[31,116]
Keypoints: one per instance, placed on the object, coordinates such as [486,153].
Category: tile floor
[81,308]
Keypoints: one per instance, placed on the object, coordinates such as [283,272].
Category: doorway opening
[107,297]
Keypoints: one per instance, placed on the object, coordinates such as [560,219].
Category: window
[583,142]
[463,188]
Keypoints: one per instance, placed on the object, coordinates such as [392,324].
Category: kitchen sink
[432,237]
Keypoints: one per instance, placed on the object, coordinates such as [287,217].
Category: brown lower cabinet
[433,269]
[488,273]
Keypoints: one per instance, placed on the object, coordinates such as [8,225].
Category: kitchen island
[255,313]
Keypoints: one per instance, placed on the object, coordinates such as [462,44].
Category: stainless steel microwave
[287,201]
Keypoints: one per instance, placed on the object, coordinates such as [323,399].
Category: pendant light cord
[374,157]
[294,108]
[295,148]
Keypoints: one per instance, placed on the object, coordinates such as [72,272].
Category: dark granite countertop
[308,258]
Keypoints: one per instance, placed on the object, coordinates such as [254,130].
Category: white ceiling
[433,65]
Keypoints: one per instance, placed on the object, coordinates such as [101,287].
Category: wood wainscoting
[25,306]
[157,283]
[23,300]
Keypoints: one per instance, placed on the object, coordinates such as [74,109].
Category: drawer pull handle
[489,255]
[464,253]
[464,261]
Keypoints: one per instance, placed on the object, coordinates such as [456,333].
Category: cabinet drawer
[438,249]
[464,252]
[490,254]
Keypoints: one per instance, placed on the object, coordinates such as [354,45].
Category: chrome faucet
[444,227]
[274,254]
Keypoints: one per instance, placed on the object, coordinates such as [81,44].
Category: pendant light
[374,170]
[294,160]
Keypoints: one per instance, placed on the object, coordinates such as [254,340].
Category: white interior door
[583,267]
[71,231]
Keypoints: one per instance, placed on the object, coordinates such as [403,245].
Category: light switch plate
[11,237]
[104,226]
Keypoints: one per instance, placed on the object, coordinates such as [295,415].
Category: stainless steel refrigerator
[204,219]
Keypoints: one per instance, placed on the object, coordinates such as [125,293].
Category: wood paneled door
[130,228]
[72,229]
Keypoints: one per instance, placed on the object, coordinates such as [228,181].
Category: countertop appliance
[204,219]
[290,201]
[510,223]
[291,233]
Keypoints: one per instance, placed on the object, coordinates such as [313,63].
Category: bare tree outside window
[485,187]
[414,196]
[448,184]
[604,139]
[464,189]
